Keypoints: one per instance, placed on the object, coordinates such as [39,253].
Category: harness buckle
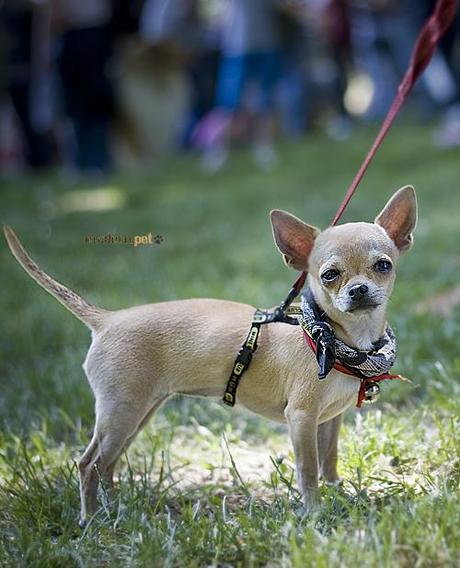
[245,355]
[260,316]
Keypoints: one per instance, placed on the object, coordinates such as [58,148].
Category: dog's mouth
[363,306]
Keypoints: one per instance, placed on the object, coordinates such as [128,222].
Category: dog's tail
[90,315]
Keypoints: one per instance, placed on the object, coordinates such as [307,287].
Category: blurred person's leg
[450,47]
[36,140]
[339,126]
[371,57]
[37,147]
[293,94]
[337,37]
[202,75]
[216,129]
[88,95]
[265,67]
[447,134]
[11,154]
[92,154]
[399,31]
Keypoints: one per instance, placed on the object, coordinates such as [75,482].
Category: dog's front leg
[328,437]
[303,429]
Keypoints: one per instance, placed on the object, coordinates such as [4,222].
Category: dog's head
[352,266]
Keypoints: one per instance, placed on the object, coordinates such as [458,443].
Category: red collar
[364,381]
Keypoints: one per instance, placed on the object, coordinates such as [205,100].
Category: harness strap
[244,357]
[242,362]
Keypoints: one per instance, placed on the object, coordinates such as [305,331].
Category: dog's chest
[339,392]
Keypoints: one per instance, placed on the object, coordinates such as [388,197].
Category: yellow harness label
[238,368]
[252,337]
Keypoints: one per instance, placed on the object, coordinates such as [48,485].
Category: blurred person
[85,49]
[202,68]
[251,54]
[336,27]
[383,34]
[202,72]
[322,58]
[295,89]
[26,44]
[329,60]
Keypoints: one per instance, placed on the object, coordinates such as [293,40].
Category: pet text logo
[134,240]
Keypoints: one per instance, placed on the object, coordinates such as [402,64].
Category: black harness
[370,367]
[283,313]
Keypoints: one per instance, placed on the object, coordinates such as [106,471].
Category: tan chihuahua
[141,356]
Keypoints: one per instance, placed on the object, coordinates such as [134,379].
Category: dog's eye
[383,266]
[330,275]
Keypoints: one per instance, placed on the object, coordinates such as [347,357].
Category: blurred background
[92,87]
[190,120]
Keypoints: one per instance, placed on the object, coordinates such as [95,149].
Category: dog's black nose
[358,291]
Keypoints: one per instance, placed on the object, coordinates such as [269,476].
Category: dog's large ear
[293,237]
[399,217]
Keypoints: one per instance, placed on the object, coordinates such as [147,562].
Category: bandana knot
[323,336]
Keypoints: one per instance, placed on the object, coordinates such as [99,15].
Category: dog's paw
[333,482]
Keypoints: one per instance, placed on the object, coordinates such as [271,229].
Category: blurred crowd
[91,85]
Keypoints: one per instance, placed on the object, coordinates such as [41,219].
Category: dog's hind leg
[108,476]
[116,423]
[87,480]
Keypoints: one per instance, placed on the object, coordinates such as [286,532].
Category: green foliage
[205,485]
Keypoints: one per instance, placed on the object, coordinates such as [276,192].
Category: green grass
[205,485]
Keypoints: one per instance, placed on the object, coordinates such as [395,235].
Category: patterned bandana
[332,352]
